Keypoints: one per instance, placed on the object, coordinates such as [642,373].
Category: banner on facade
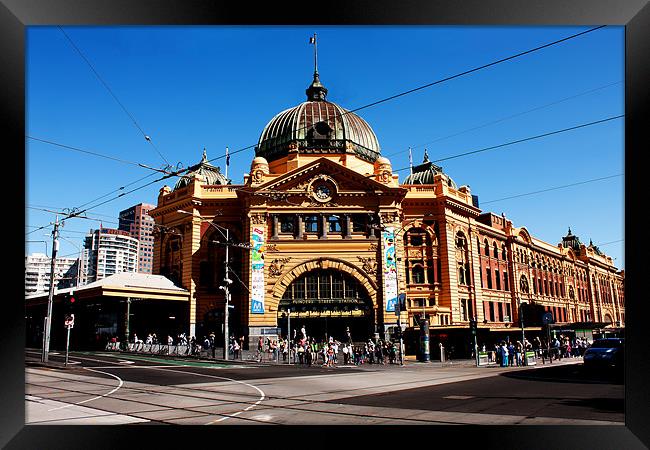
[390,268]
[257,271]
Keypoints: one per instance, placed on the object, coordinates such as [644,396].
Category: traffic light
[473,326]
[69,303]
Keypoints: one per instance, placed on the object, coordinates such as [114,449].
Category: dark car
[606,353]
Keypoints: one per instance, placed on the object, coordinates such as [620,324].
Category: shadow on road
[572,373]
[604,405]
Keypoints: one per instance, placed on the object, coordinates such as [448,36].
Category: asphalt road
[103,388]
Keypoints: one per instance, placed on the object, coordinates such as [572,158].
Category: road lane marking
[94,398]
[227,416]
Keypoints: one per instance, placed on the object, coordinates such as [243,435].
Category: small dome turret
[208,173]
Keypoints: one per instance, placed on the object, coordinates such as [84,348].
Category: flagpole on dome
[227,161]
[312,40]
[410,160]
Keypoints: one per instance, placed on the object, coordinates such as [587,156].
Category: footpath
[247,357]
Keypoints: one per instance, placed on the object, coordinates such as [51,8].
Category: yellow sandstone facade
[336,237]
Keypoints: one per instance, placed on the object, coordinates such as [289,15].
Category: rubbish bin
[424,341]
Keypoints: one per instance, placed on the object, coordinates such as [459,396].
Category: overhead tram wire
[336,116]
[70,147]
[177,172]
[77,149]
[518,141]
[79,213]
[506,118]
[110,91]
[539,136]
[554,188]
[419,88]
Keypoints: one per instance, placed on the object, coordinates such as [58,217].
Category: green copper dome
[317,126]
[425,173]
[209,173]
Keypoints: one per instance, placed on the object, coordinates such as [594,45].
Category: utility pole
[48,318]
[523,335]
[289,334]
[226,288]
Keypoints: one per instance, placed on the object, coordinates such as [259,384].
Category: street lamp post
[226,281]
[226,288]
[523,336]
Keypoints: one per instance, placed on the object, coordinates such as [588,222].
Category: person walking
[511,354]
[504,354]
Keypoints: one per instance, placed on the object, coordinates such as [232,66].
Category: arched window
[503,252]
[487,247]
[173,263]
[417,274]
[495,251]
[421,250]
[462,259]
[325,289]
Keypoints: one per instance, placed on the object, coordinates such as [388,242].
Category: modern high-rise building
[137,222]
[107,252]
[37,272]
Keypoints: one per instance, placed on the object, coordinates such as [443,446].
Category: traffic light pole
[226,286]
[50,298]
[67,346]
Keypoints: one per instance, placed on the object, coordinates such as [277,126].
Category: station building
[336,237]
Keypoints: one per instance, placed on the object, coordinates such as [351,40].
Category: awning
[578,326]
[123,285]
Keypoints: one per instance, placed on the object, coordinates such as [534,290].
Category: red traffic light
[72,300]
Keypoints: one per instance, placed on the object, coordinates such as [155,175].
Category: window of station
[323,284]
[359,223]
[311,224]
[287,224]
[334,224]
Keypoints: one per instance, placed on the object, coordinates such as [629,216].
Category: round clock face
[322,192]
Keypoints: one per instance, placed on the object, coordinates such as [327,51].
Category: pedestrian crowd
[305,350]
[508,353]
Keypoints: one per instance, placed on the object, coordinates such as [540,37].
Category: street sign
[401,304]
[69,321]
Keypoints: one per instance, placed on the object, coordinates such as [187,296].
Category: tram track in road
[299,404]
[385,387]
[255,410]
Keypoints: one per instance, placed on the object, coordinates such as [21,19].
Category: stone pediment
[319,177]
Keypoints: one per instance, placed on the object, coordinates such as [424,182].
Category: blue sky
[217,86]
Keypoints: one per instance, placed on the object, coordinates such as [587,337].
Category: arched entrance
[326,301]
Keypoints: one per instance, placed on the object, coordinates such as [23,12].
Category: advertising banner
[390,268]
[257,271]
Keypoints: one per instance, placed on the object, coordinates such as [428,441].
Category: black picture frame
[15,15]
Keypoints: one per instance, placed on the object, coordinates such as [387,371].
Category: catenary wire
[518,141]
[477,127]
[554,188]
[110,91]
[410,91]
[359,108]
[424,86]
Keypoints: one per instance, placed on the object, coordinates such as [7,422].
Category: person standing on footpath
[504,354]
